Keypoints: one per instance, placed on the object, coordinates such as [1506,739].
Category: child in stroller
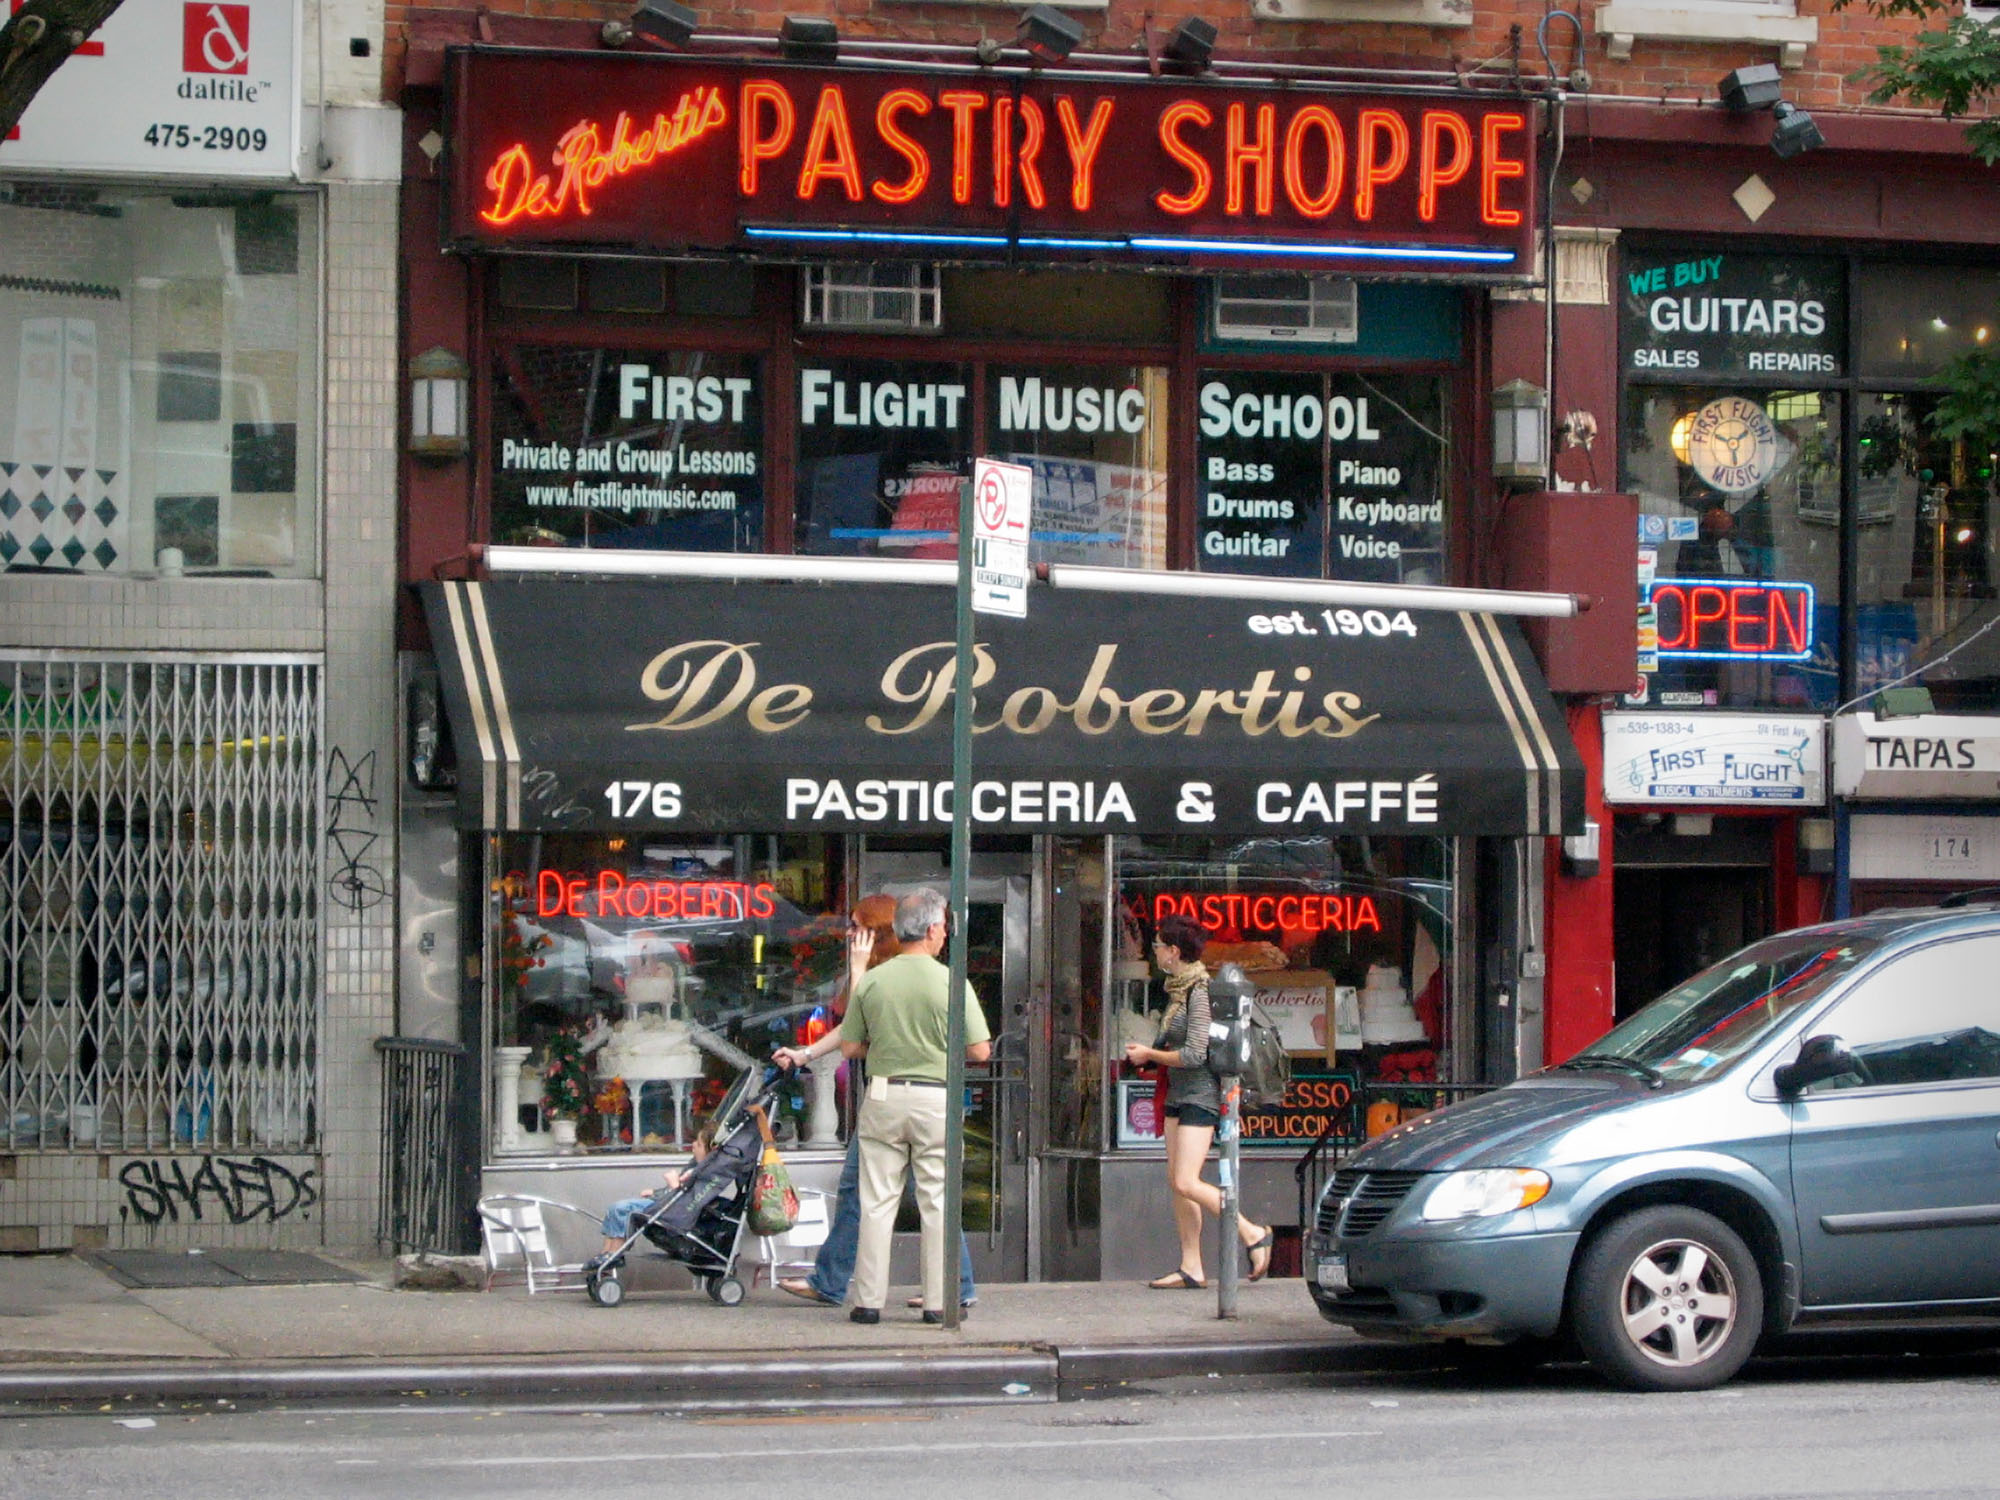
[697,1219]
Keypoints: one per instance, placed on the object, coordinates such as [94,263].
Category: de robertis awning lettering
[753,707]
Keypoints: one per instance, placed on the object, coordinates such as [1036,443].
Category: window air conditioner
[892,295]
[1287,309]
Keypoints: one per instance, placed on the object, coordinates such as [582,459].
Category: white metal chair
[515,1234]
[777,1253]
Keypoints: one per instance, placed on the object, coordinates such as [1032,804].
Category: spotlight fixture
[667,22]
[1795,132]
[1192,43]
[1048,35]
[1751,88]
[809,39]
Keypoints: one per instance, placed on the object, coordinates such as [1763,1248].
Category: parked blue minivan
[1809,1130]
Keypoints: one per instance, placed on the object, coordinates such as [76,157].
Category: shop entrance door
[996,1124]
[1685,900]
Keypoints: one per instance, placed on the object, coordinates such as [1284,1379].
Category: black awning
[764,707]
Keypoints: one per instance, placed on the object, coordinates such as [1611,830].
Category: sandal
[1177,1280]
[1259,1271]
[807,1291]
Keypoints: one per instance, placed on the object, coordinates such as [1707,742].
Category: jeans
[618,1218]
[835,1266]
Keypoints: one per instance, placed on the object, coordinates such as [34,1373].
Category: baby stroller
[700,1223]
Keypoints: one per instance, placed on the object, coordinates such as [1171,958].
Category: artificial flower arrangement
[819,952]
[565,1077]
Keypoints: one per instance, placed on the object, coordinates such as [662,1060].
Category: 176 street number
[629,799]
[208,137]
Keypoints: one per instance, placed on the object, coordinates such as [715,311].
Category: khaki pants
[904,1130]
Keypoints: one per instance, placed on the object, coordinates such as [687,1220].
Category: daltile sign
[697,154]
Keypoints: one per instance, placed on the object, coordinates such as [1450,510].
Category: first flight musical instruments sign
[697,154]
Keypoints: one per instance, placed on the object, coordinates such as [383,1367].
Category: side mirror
[1823,1056]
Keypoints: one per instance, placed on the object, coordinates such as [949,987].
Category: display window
[1926,574]
[597,447]
[883,445]
[1348,943]
[158,381]
[1095,437]
[637,977]
[1739,563]
[1321,475]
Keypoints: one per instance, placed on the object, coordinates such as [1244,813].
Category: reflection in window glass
[1926,569]
[1321,476]
[637,972]
[1930,1017]
[1740,485]
[158,390]
[1348,941]
[1096,438]
[611,448]
[883,445]
[1911,320]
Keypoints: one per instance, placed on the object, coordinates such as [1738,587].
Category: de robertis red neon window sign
[713,154]
[1732,619]
[609,893]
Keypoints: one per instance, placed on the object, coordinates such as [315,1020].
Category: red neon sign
[1726,619]
[607,893]
[586,162]
[841,153]
[1307,912]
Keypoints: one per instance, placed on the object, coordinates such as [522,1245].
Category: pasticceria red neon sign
[608,893]
[1310,911]
[702,151]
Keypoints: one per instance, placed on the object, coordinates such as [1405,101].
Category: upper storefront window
[1321,475]
[884,445]
[1739,557]
[614,448]
[1911,320]
[158,381]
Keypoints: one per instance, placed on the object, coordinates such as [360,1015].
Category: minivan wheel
[1667,1299]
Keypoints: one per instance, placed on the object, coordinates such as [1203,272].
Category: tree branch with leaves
[36,40]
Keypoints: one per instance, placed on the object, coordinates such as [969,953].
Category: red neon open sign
[607,893]
[1730,619]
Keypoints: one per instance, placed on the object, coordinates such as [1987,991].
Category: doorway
[999,886]
[1687,892]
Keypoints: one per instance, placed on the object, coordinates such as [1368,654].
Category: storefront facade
[195,649]
[1768,337]
[787,325]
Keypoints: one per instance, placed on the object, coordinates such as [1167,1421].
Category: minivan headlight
[1484,1193]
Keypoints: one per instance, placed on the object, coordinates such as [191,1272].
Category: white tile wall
[55,1201]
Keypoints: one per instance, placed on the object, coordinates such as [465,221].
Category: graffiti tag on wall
[235,1190]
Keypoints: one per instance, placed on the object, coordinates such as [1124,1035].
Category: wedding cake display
[1387,1017]
[647,1046]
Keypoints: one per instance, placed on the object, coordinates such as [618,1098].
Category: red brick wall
[1680,71]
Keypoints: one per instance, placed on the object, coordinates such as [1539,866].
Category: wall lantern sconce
[1521,434]
[1816,846]
[812,39]
[1191,44]
[1581,851]
[439,383]
[1048,35]
[666,22]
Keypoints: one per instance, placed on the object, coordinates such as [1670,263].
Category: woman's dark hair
[1180,933]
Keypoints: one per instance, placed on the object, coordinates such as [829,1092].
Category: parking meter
[1230,996]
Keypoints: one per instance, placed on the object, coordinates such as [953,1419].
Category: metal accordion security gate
[161,836]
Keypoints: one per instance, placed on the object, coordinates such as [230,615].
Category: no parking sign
[1002,496]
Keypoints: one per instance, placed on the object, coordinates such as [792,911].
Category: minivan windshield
[1698,1027]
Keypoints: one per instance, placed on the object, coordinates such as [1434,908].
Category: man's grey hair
[918,912]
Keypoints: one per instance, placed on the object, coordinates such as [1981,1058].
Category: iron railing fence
[423,1201]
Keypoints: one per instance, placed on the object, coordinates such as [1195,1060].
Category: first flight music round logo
[1733,445]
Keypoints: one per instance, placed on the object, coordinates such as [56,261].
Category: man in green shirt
[897,1020]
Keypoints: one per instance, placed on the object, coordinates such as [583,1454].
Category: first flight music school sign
[704,155]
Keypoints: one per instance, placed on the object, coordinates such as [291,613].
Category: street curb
[1096,1364]
[1017,1374]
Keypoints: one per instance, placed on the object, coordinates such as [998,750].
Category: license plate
[1333,1274]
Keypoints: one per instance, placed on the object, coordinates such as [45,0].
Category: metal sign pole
[1230,1133]
[961,859]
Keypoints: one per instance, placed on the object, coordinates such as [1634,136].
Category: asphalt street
[1824,1428]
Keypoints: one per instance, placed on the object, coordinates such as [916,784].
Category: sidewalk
[70,1333]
